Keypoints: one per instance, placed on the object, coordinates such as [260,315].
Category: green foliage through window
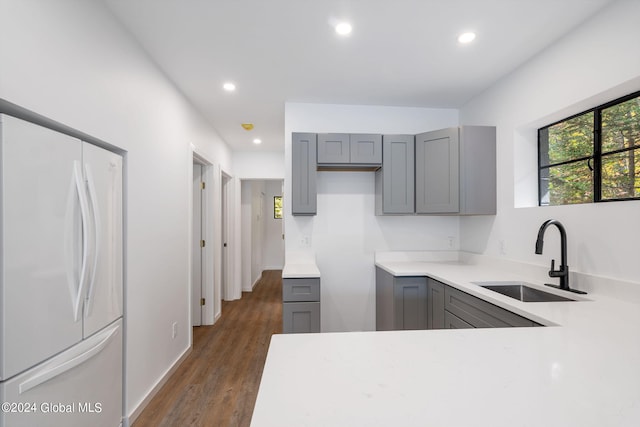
[593,156]
[277,207]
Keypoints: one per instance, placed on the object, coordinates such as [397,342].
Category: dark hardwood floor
[218,383]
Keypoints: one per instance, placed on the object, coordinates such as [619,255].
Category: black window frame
[596,165]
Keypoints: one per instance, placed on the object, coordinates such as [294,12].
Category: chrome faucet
[563,271]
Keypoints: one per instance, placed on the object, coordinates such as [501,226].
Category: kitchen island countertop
[583,369]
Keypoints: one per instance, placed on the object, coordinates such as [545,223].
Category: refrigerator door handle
[54,371]
[96,236]
[84,212]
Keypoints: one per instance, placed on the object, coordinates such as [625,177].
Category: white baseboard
[255,282]
[127,421]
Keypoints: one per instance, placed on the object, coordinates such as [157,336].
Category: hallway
[217,385]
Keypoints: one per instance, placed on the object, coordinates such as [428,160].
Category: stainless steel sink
[522,292]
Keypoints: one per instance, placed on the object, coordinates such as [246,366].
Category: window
[277,207]
[593,156]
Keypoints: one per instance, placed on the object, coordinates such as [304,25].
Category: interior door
[103,180]
[226,294]
[41,238]
[197,248]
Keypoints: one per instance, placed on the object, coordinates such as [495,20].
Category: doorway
[203,303]
[261,229]
[198,245]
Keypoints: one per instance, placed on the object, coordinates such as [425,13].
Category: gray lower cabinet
[456,171]
[303,174]
[395,180]
[401,302]
[425,303]
[300,305]
[436,316]
[451,321]
[300,317]
[479,313]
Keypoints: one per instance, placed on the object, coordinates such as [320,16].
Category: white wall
[70,61]
[597,62]
[345,233]
[258,164]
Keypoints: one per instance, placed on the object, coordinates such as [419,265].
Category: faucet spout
[563,271]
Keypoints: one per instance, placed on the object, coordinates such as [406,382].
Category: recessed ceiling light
[257,141]
[343,28]
[229,87]
[466,37]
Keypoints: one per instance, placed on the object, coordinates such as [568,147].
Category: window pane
[277,207]
[621,126]
[621,175]
[567,140]
[568,184]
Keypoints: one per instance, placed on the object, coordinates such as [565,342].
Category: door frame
[208,232]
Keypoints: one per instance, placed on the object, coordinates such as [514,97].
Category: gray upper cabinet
[395,181]
[366,148]
[303,174]
[437,171]
[456,171]
[336,150]
[333,148]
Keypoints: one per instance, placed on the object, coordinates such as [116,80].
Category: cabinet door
[410,303]
[437,172]
[451,321]
[478,170]
[395,181]
[300,317]
[365,149]
[303,174]
[333,148]
[435,305]
[384,300]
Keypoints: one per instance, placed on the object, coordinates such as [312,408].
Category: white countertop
[300,265]
[293,271]
[585,371]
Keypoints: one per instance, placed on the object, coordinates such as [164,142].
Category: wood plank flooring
[217,384]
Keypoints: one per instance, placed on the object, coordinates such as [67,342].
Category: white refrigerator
[61,302]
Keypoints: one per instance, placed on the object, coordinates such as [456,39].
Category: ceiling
[400,53]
